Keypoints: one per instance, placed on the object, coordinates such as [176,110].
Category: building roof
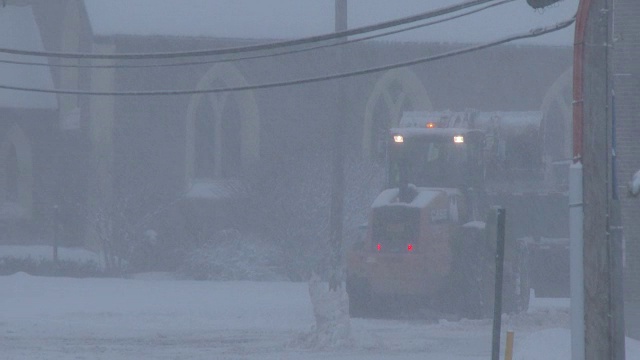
[284,19]
[19,31]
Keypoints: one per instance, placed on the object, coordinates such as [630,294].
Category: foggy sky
[259,19]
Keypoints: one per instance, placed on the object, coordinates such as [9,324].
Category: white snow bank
[550,344]
[555,344]
[331,311]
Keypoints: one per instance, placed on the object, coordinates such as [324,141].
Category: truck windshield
[428,163]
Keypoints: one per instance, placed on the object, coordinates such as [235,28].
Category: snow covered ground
[158,317]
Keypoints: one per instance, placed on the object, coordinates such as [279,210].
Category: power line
[288,52]
[257,47]
[531,34]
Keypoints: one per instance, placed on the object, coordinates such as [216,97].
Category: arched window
[218,138]
[557,109]
[16,176]
[395,92]
[556,129]
[554,132]
[231,140]
[222,128]
[205,159]
[69,77]
[380,130]
[11,174]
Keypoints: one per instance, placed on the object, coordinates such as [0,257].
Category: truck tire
[470,280]
[477,292]
[516,282]
[359,292]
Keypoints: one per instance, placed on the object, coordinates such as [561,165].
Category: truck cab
[436,158]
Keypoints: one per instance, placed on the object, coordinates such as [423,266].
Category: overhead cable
[257,47]
[259,56]
[531,34]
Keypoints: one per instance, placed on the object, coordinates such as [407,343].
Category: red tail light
[410,247]
[379,247]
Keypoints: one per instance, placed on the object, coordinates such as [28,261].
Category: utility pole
[337,179]
[595,185]
[603,316]
[500,216]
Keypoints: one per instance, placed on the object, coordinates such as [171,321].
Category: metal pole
[576,253]
[56,234]
[337,179]
[615,248]
[576,195]
[596,161]
[617,298]
[497,304]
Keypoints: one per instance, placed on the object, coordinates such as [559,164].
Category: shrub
[231,255]
[47,267]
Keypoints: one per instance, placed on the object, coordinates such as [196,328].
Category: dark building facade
[189,165]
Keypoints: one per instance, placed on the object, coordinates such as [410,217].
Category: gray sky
[282,19]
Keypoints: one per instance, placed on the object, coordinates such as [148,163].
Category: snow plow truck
[429,242]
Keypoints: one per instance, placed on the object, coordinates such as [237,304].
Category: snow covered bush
[232,255]
[38,260]
[47,267]
[130,230]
